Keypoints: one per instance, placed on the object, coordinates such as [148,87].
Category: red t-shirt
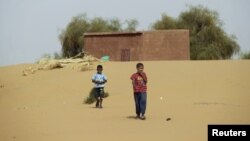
[139,82]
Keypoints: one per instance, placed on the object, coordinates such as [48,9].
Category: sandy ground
[48,105]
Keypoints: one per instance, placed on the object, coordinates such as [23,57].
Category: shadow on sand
[131,117]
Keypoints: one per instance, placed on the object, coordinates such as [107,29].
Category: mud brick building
[139,46]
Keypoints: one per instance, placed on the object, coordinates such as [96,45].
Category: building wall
[165,45]
[143,46]
[112,45]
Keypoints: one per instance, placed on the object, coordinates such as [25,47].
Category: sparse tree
[166,22]
[245,55]
[58,55]
[72,39]
[131,25]
[208,40]
[98,25]
[115,25]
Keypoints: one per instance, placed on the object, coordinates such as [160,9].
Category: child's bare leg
[100,100]
[97,103]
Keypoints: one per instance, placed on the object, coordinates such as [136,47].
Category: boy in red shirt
[139,82]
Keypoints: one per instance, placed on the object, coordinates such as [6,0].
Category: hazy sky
[30,28]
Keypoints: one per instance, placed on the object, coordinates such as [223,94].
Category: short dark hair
[139,65]
[99,67]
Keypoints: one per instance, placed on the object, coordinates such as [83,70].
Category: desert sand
[48,105]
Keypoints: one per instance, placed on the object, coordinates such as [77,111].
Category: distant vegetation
[245,55]
[56,55]
[208,40]
[72,38]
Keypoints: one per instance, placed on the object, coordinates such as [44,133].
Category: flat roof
[111,33]
[89,34]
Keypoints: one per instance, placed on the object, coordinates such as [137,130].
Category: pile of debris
[80,62]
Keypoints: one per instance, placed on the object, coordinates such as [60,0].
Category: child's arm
[99,82]
[102,82]
[105,81]
[133,82]
[144,77]
[94,81]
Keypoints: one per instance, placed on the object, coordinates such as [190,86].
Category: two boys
[139,82]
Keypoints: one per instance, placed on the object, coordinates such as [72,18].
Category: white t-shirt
[100,78]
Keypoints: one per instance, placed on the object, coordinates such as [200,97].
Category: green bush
[91,98]
[208,40]
[72,38]
[245,55]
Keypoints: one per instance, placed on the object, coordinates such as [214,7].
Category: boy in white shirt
[99,79]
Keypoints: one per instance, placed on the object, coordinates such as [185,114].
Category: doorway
[125,54]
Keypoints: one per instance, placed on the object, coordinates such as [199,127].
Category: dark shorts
[99,92]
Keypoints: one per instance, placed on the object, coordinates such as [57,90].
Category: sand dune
[48,105]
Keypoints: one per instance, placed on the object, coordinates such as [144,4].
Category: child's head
[139,67]
[99,68]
